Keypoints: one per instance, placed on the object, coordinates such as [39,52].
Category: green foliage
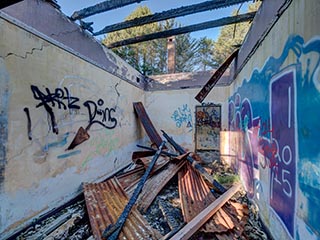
[151,57]
[231,36]
[227,179]
[204,54]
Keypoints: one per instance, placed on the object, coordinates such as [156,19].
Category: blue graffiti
[57,143]
[69,154]
[183,115]
[285,100]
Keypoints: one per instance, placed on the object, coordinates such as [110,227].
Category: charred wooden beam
[7,3]
[177,12]
[215,77]
[112,231]
[183,30]
[218,187]
[102,7]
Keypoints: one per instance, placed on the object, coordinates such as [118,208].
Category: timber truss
[169,14]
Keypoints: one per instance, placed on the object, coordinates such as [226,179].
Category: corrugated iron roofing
[105,203]
[195,195]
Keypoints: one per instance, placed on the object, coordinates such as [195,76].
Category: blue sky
[118,15]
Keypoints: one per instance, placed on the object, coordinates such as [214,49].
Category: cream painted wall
[40,172]
[161,106]
[275,102]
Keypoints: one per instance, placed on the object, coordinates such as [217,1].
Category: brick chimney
[171,48]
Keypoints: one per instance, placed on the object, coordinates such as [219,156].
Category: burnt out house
[81,128]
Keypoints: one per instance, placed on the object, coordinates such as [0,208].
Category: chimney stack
[171,48]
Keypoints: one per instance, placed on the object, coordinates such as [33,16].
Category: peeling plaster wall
[174,111]
[48,96]
[275,103]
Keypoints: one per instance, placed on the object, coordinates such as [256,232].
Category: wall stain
[4,108]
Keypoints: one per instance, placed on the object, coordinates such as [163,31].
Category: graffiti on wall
[275,110]
[208,126]
[183,116]
[63,108]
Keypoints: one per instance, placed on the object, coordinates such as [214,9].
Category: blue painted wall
[277,110]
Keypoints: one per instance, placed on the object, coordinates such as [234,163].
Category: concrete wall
[174,111]
[47,95]
[275,102]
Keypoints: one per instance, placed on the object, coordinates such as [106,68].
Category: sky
[118,15]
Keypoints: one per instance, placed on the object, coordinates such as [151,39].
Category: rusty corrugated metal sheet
[128,180]
[227,223]
[147,124]
[194,193]
[105,202]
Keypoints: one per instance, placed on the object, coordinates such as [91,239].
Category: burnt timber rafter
[187,29]
[6,3]
[102,7]
[177,12]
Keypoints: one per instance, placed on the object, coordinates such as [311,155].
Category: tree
[151,57]
[231,36]
[141,55]
[204,56]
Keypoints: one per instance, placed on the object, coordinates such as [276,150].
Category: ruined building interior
[85,134]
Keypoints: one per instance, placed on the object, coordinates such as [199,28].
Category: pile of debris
[165,193]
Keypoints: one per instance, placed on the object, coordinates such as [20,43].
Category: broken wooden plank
[112,231]
[147,124]
[187,29]
[217,186]
[102,7]
[188,230]
[161,162]
[172,13]
[215,77]
[155,184]
[129,179]
[7,3]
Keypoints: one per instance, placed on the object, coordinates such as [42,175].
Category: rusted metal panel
[113,230]
[215,77]
[155,184]
[217,186]
[129,179]
[147,124]
[105,202]
[194,193]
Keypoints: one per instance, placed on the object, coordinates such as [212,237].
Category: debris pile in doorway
[165,193]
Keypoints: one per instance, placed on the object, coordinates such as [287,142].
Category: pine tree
[231,36]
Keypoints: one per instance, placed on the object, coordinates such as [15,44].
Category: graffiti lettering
[100,115]
[26,110]
[265,127]
[57,97]
[182,115]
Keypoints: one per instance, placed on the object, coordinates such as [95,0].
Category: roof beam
[177,12]
[102,7]
[183,30]
[6,3]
